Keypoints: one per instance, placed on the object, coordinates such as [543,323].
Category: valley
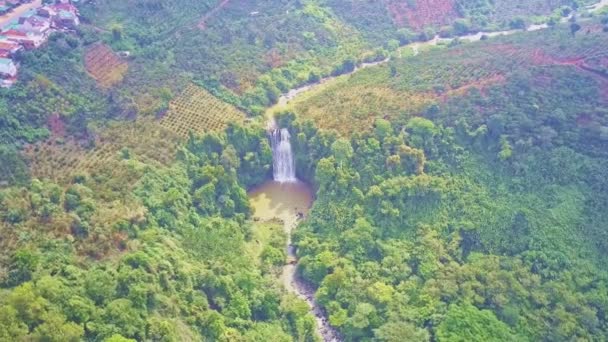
[308,171]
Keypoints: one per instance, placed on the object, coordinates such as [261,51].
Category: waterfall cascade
[283,163]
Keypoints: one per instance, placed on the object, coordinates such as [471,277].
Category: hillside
[458,188]
[467,207]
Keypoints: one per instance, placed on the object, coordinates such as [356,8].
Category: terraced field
[104,65]
[196,110]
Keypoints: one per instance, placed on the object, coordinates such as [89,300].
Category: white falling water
[284,166]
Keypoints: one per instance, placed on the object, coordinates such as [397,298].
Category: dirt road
[17,12]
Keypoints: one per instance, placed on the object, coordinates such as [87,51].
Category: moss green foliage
[514,14]
[480,220]
[463,197]
[245,53]
[157,257]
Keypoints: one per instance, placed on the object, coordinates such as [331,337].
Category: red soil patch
[539,57]
[104,65]
[422,13]
[596,28]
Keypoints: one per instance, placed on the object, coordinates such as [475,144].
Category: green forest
[459,187]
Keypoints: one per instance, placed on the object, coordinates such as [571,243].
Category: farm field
[59,159]
[196,110]
[104,65]
[418,176]
[422,13]
[149,140]
[407,85]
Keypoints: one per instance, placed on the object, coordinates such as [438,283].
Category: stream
[289,199]
[290,202]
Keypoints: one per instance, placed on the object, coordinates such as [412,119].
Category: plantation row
[406,85]
[61,160]
[104,65]
[197,111]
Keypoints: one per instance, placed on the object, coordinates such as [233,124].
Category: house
[29,40]
[30,31]
[66,15]
[35,24]
[8,69]
[46,12]
[66,20]
[8,48]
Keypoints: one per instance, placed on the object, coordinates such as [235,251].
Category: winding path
[202,24]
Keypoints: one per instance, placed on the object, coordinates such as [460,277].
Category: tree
[406,36]
[401,331]
[117,32]
[56,329]
[461,26]
[100,285]
[326,171]
[347,66]
[342,150]
[230,158]
[11,327]
[263,332]
[518,23]
[121,314]
[161,330]
[466,323]
[383,128]
[574,28]
[12,167]
[23,264]
[422,131]
[29,306]
[118,338]
[506,150]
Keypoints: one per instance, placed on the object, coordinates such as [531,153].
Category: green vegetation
[460,192]
[482,220]
[154,253]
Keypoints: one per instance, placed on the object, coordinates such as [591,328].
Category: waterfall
[284,166]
